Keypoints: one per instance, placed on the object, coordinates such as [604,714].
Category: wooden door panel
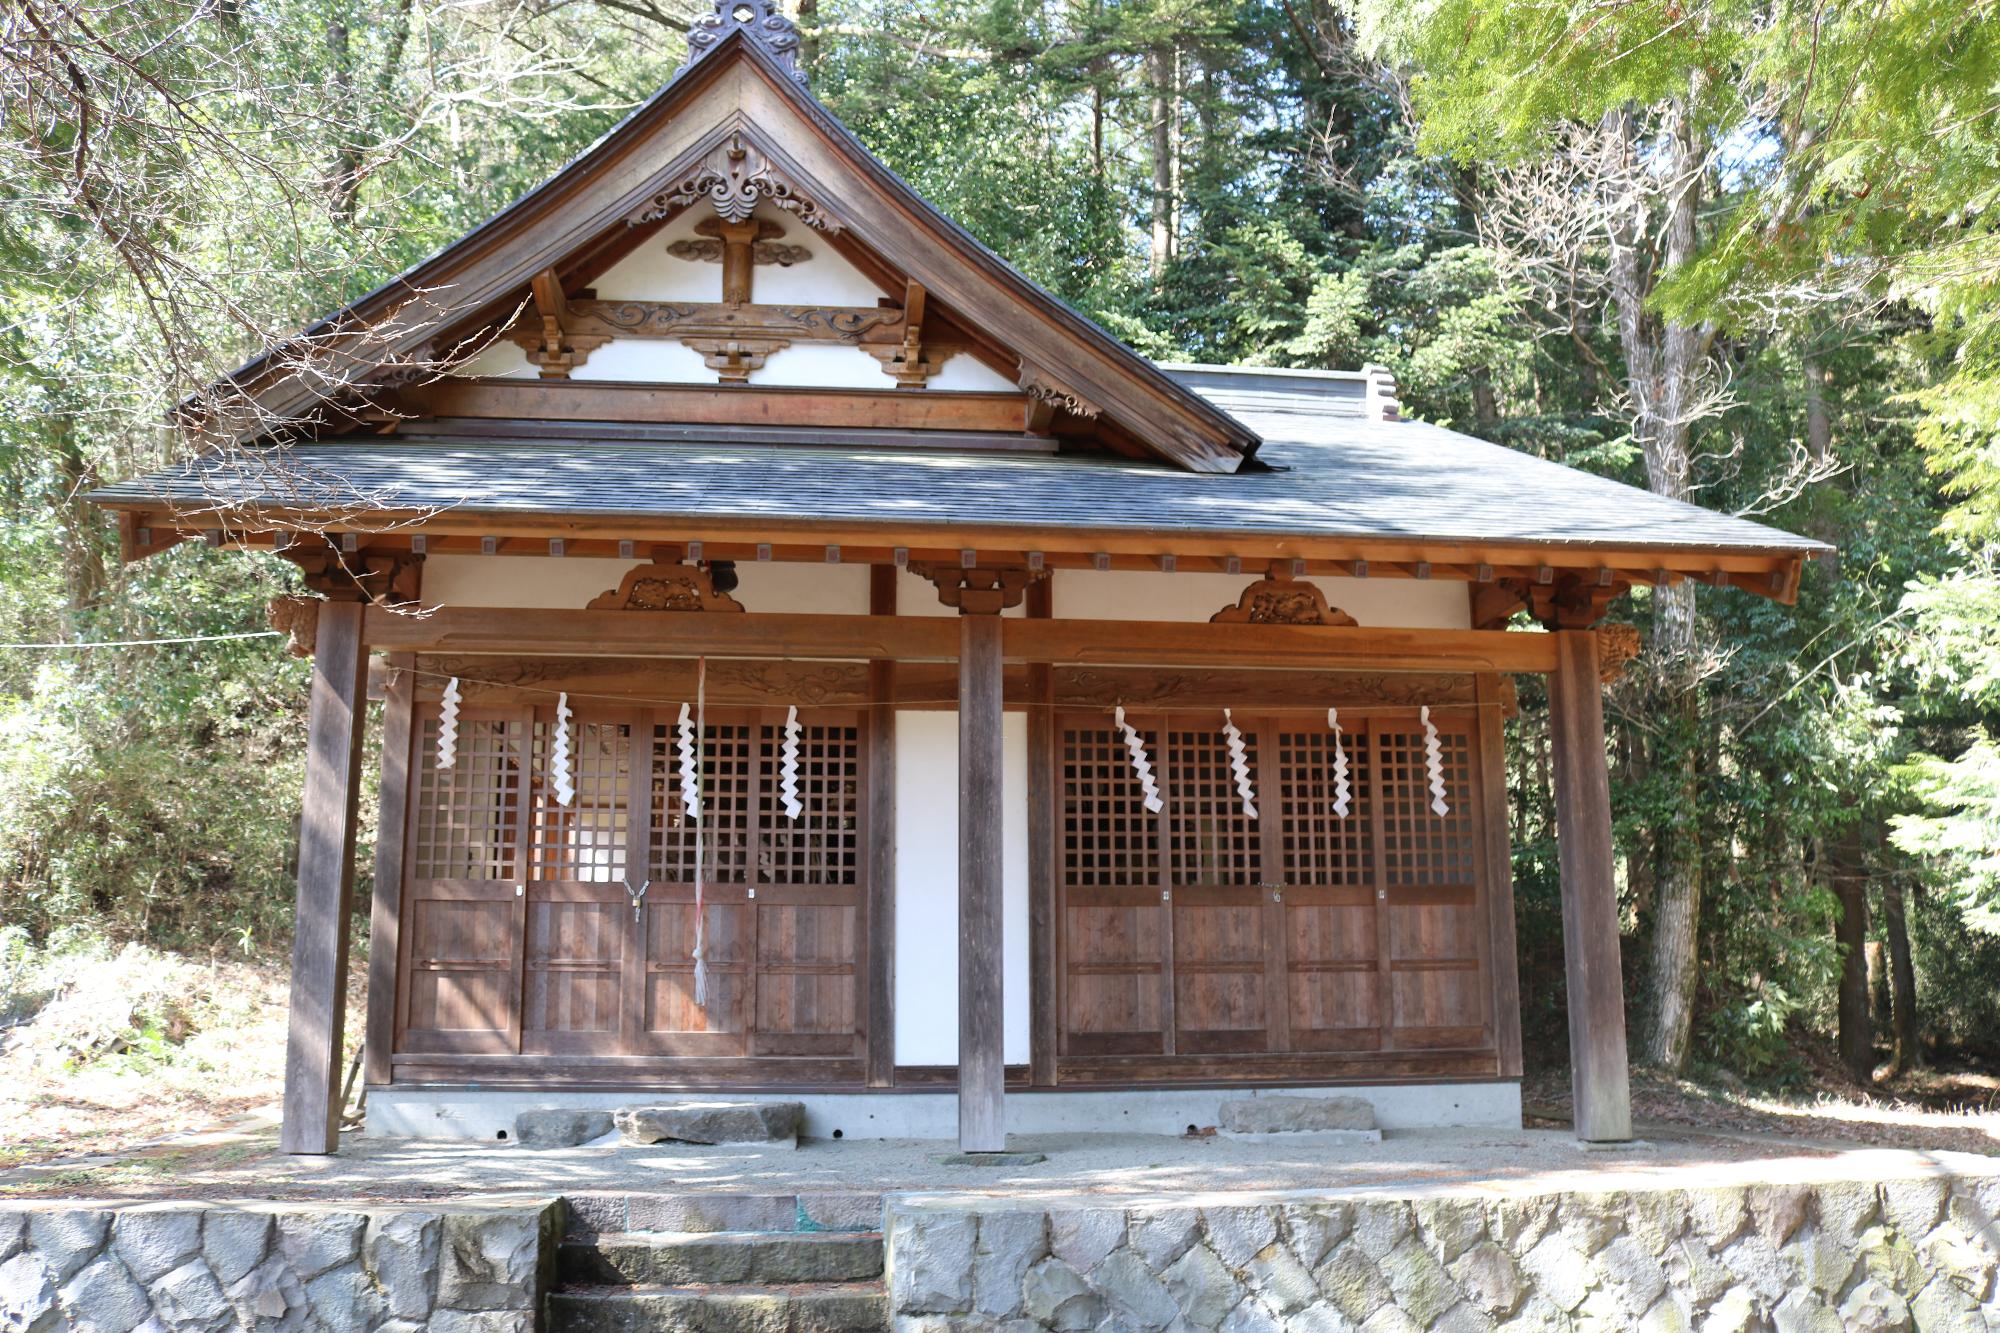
[674,1023]
[1220,1001]
[574,970]
[1114,979]
[460,970]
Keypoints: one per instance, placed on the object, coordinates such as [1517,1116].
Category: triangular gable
[737,132]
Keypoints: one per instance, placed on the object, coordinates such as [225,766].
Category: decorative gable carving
[1281,600]
[665,586]
[734,177]
[1052,391]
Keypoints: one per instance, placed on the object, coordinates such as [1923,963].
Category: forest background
[1739,253]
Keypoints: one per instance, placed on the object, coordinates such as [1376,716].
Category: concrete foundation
[488,1113]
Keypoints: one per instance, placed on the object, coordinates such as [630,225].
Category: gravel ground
[242,1165]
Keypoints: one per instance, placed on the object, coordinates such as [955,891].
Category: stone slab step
[597,1214]
[712,1258]
[711,1122]
[798,1308]
[1348,1118]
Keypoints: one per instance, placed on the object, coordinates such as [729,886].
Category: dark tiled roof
[1336,474]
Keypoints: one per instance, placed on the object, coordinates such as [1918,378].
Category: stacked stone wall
[277,1268]
[1914,1254]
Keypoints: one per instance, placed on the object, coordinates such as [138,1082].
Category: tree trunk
[1902,977]
[1857,1040]
[1160,74]
[1819,418]
[1662,369]
[77,521]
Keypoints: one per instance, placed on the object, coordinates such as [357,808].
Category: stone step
[712,1122]
[830,1307]
[659,1259]
[598,1214]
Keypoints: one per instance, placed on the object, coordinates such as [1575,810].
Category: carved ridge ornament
[665,586]
[735,176]
[760,22]
[1281,600]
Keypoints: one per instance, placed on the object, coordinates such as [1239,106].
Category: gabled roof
[1338,474]
[740,93]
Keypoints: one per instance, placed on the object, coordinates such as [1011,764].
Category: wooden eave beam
[475,630]
[1772,574]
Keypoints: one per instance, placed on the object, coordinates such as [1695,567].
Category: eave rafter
[1561,587]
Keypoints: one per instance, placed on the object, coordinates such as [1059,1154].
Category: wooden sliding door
[564,934]
[1202,942]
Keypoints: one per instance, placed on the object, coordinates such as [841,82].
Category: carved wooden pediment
[734,177]
[665,586]
[708,244]
[1281,600]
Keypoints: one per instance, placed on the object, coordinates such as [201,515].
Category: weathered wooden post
[1600,1080]
[981,1070]
[337,715]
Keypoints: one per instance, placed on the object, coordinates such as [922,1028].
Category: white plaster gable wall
[1119,594]
[927,888]
[816,365]
[499,359]
[966,371]
[543,584]
[645,361]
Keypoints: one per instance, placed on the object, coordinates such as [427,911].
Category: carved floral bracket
[665,586]
[1280,599]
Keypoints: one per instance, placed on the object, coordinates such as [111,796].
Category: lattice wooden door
[460,967]
[1203,933]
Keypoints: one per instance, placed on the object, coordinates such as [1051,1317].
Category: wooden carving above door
[1280,599]
[665,586]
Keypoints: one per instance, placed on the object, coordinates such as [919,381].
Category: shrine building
[817,663]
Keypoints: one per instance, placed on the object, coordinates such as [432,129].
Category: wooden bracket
[732,359]
[384,576]
[982,590]
[553,346]
[1617,645]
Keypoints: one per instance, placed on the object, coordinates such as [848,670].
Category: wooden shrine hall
[815,661]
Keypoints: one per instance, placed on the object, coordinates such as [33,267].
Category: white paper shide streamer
[1342,791]
[788,766]
[1434,764]
[560,776]
[1142,767]
[690,764]
[448,725]
[1239,764]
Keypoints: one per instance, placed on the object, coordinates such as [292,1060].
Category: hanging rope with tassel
[691,795]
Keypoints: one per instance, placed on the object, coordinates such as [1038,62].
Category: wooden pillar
[1043,1036]
[326,882]
[881,910]
[385,918]
[1599,1078]
[1503,952]
[981,1070]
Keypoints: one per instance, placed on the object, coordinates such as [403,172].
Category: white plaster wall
[542,583]
[1137,594]
[927,888]
[965,371]
[499,359]
[649,273]
[819,365]
[645,361]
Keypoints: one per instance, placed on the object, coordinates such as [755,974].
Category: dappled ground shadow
[1933,1110]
